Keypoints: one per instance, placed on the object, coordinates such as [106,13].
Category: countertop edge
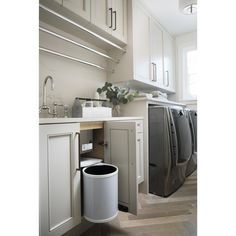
[44,121]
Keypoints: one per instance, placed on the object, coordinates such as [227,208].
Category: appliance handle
[173,139]
[192,132]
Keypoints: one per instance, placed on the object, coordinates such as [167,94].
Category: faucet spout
[45,90]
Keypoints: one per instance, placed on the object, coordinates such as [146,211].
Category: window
[190,75]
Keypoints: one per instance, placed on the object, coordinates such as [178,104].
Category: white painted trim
[182,43]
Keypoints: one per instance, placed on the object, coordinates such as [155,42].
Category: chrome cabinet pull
[154,72]
[114,12]
[167,79]
[110,9]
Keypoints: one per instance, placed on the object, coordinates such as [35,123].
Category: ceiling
[169,16]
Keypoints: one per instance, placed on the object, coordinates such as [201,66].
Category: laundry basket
[100,192]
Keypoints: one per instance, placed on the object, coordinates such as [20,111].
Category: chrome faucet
[45,106]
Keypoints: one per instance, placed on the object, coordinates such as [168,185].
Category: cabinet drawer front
[139,126]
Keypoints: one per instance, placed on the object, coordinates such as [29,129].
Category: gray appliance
[192,164]
[170,148]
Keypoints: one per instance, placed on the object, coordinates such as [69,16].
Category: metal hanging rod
[81,27]
[78,44]
[74,59]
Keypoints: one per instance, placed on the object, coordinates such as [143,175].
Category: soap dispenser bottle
[77,108]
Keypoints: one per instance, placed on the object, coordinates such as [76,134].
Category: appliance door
[173,139]
[159,149]
[192,132]
[193,115]
[181,120]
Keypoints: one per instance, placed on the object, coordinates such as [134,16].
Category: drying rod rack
[74,59]
[78,44]
[82,27]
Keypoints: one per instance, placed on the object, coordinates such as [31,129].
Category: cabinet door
[101,14]
[139,151]
[79,7]
[156,66]
[119,14]
[121,151]
[141,40]
[60,208]
[169,68]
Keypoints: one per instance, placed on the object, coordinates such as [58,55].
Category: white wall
[71,79]
[182,41]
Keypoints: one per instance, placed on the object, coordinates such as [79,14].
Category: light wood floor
[157,216]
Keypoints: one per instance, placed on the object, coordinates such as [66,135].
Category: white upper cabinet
[169,67]
[110,16]
[119,29]
[141,51]
[79,7]
[144,65]
[102,14]
[59,178]
[156,50]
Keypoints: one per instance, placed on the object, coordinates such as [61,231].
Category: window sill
[189,102]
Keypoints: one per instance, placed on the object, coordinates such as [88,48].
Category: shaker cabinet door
[169,59]
[60,208]
[119,14]
[79,7]
[156,49]
[102,14]
[121,152]
[141,39]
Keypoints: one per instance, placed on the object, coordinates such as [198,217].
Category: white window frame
[184,95]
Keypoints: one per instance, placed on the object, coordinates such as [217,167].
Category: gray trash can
[100,192]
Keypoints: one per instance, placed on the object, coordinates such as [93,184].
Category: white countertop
[159,101]
[80,120]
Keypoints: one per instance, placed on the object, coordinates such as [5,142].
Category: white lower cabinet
[60,205]
[123,146]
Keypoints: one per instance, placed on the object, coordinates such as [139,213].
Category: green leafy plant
[117,95]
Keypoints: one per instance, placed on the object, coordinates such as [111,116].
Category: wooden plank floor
[157,216]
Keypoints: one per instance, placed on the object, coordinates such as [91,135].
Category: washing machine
[192,164]
[170,148]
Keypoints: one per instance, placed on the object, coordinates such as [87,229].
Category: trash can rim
[100,176]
